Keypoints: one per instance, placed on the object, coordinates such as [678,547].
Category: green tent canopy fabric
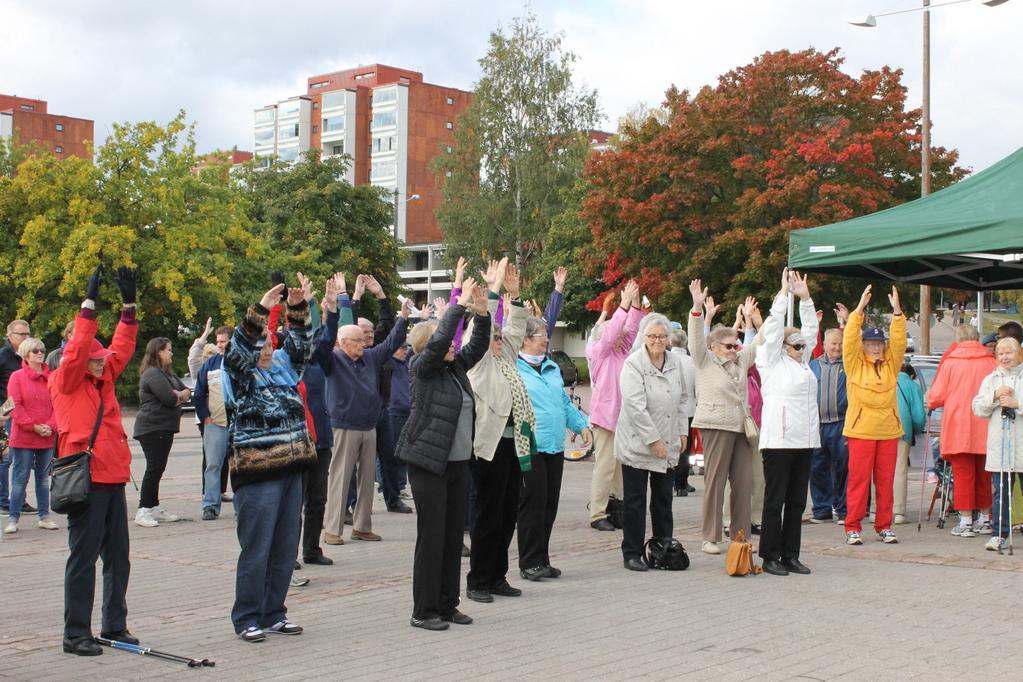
[967,236]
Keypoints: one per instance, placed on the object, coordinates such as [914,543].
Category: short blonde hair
[420,335]
[1002,343]
[26,347]
[967,332]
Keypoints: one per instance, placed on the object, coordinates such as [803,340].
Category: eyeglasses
[657,337]
[537,336]
[21,333]
[797,346]
[38,350]
[731,346]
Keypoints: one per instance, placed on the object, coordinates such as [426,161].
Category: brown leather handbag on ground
[739,560]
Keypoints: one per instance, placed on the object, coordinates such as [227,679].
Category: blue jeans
[214,442]
[386,464]
[398,420]
[23,461]
[267,515]
[829,471]
[1000,520]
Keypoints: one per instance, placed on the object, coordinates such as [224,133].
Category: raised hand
[841,313]
[207,329]
[374,286]
[698,292]
[893,298]
[340,286]
[460,272]
[440,306]
[709,308]
[737,325]
[307,287]
[864,299]
[127,281]
[296,295]
[425,312]
[820,316]
[360,288]
[331,292]
[272,296]
[756,319]
[560,277]
[799,287]
[466,295]
[478,305]
[277,277]
[786,282]
[95,279]
[495,274]
[511,280]
[630,294]
[406,308]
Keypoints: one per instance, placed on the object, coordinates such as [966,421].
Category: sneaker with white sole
[900,519]
[994,544]
[252,634]
[284,627]
[298,581]
[144,518]
[11,527]
[161,514]
[887,536]
[853,538]
[982,528]
[710,547]
[46,524]
[961,531]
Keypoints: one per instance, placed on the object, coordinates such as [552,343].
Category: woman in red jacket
[33,426]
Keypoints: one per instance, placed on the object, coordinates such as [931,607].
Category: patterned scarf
[523,417]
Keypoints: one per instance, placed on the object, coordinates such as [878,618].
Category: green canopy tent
[967,236]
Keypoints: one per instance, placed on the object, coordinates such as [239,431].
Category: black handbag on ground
[666,554]
[615,511]
[71,476]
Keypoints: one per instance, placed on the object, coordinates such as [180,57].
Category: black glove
[127,282]
[92,288]
[277,277]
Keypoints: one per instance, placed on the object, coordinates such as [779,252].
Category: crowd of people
[307,407]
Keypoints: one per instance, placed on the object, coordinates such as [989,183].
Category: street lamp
[408,198]
[870,21]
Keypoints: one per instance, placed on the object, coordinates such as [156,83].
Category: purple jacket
[606,357]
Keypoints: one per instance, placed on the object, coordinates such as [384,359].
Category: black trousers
[314,483]
[786,477]
[225,471]
[497,504]
[538,507]
[156,447]
[387,463]
[98,531]
[440,513]
[634,485]
[683,468]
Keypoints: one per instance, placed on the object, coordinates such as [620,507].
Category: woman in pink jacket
[963,434]
[33,425]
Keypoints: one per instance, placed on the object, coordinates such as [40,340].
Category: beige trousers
[727,458]
[607,473]
[901,478]
[758,491]
[351,446]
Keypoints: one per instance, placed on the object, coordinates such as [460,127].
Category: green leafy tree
[518,146]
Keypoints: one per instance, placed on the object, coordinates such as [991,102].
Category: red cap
[98,352]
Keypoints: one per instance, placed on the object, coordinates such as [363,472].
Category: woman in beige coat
[652,430]
[721,413]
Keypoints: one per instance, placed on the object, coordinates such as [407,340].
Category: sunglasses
[731,346]
[38,350]
[798,346]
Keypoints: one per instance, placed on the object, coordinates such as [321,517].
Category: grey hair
[679,339]
[719,333]
[967,332]
[833,332]
[651,320]
[534,325]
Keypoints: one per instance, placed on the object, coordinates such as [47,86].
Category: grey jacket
[652,409]
[158,404]
[722,401]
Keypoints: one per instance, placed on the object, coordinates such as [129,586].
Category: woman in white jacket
[789,426]
[998,400]
[652,430]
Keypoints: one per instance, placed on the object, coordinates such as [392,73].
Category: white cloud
[123,61]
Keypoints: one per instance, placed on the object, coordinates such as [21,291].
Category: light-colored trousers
[728,458]
[901,478]
[351,446]
[758,491]
[607,473]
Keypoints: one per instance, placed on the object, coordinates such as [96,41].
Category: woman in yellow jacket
[872,423]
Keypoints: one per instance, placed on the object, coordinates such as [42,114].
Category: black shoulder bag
[71,477]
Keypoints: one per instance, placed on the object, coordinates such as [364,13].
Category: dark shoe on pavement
[775,567]
[635,564]
[535,573]
[503,589]
[465,551]
[428,623]
[209,514]
[28,509]
[120,636]
[252,634]
[400,508]
[482,596]
[690,488]
[298,566]
[457,617]
[754,529]
[795,566]
[367,535]
[553,572]
[602,524]
[319,559]
[82,646]
[683,492]
[348,518]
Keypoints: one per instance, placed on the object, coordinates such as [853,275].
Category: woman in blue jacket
[914,418]
[538,501]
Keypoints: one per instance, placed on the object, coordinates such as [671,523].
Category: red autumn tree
[712,188]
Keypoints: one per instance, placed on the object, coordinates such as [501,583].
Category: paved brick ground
[933,607]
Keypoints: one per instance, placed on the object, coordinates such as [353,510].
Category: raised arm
[896,330]
[241,356]
[479,343]
[852,342]
[695,327]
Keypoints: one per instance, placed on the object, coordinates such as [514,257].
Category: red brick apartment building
[63,135]
[393,125]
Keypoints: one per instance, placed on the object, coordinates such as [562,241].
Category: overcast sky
[130,60]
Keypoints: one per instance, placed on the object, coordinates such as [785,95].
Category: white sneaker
[710,547]
[900,519]
[144,518]
[887,536]
[994,544]
[405,494]
[961,531]
[982,528]
[11,527]
[161,514]
[853,538]
[46,524]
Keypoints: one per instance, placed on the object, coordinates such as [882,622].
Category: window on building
[332,123]
[385,95]
[338,149]
[383,119]
[383,170]
[333,99]
[316,105]
[58,149]
[60,127]
[26,107]
[266,115]
[450,125]
[287,132]
[363,76]
[288,154]
[321,84]
[451,100]
[384,143]
[316,129]
[264,136]
[289,108]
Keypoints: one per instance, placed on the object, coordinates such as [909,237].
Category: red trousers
[866,458]
[972,484]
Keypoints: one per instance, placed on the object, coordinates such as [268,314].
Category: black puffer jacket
[436,400]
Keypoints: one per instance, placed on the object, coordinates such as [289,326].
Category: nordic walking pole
[146,651]
[1006,418]
[923,472]
[1001,483]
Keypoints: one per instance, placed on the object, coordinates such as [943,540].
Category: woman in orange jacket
[872,424]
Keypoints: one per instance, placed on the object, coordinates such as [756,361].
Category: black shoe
[635,564]
[535,573]
[724,531]
[120,636]
[683,492]
[602,524]
[457,617]
[82,646]
[400,508]
[775,567]
[503,589]
[428,623]
[795,566]
[348,521]
[465,551]
[690,488]
[28,509]
[553,572]
[298,566]
[319,559]
[754,529]
[209,514]
[482,596]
